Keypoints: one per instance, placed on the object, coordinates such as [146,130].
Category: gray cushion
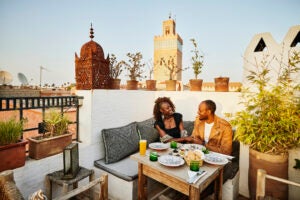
[120,142]
[188,126]
[126,169]
[148,131]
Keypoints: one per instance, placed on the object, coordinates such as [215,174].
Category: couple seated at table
[210,130]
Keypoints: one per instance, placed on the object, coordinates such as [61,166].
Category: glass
[173,144]
[143,147]
[194,165]
[153,156]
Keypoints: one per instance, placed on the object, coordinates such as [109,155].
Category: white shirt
[207,129]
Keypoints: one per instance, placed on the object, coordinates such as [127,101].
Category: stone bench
[121,142]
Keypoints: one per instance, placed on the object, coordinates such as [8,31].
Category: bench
[121,142]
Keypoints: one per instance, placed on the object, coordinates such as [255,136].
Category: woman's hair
[156,110]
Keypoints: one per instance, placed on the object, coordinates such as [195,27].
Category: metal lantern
[71,161]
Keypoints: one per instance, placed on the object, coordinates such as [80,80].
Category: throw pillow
[120,142]
[147,130]
[188,126]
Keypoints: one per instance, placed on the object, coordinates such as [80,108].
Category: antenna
[22,78]
[5,78]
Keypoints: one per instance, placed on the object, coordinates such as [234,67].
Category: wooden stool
[56,177]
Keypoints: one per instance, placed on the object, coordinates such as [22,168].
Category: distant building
[263,46]
[168,45]
[91,68]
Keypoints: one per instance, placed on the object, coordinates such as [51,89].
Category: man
[210,130]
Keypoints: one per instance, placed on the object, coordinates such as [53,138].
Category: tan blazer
[220,138]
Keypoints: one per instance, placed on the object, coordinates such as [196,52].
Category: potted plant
[173,69]
[115,70]
[135,69]
[12,147]
[55,138]
[197,62]
[221,84]
[270,122]
[150,84]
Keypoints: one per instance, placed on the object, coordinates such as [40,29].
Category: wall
[112,108]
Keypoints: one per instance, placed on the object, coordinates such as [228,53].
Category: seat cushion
[148,131]
[120,142]
[188,126]
[126,169]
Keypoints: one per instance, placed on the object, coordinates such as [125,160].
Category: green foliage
[56,123]
[171,66]
[135,68]
[271,121]
[197,59]
[10,131]
[115,67]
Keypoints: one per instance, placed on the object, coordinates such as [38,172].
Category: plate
[192,146]
[215,159]
[170,161]
[158,146]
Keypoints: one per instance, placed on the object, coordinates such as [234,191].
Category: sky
[47,33]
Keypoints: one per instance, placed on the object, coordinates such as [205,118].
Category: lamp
[71,161]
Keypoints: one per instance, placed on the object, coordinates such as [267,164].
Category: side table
[56,177]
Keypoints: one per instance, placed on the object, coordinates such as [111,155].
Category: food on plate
[194,155]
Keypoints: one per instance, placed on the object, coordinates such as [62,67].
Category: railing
[261,183]
[29,103]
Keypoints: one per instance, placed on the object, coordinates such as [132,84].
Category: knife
[196,177]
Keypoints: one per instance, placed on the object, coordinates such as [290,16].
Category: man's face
[203,112]
[166,109]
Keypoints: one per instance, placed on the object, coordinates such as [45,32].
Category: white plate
[170,161]
[215,159]
[158,146]
[192,146]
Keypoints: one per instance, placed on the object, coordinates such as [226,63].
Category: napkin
[195,176]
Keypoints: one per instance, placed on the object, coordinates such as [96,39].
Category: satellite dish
[5,78]
[22,78]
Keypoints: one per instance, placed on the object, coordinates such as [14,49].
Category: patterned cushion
[188,126]
[148,131]
[120,142]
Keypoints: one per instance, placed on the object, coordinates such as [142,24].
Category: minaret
[168,45]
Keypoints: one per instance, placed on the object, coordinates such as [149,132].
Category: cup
[194,165]
[153,156]
[143,147]
[173,145]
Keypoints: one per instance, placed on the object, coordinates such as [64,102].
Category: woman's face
[166,109]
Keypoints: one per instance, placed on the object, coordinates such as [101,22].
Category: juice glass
[143,147]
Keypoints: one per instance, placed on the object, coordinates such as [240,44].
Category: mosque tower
[91,68]
[168,45]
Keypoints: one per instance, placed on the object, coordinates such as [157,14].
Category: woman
[168,123]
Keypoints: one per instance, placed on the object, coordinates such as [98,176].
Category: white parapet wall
[113,108]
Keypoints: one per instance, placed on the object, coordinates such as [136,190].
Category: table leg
[65,188]
[194,193]
[92,190]
[218,185]
[48,185]
[142,183]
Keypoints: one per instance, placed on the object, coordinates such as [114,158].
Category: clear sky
[47,33]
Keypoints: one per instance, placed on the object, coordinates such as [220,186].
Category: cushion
[188,126]
[126,169]
[120,142]
[148,131]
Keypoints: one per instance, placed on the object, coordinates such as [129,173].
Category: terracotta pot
[13,155]
[45,147]
[196,84]
[115,84]
[275,165]
[171,85]
[151,85]
[222,84]
[132,85]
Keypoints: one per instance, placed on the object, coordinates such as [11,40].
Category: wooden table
[176,177]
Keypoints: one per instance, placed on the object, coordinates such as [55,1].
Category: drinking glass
[194,165]
[153,156]
[173,144]
[143,147]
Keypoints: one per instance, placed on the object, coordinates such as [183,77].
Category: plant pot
[222,84]
[132,85]
[275,165]
[294,174]
[44,147]
[115,84]
[13,155]
[151,85]
[196,84]
[171,85]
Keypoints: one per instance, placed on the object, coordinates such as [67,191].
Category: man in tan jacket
[210,130]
